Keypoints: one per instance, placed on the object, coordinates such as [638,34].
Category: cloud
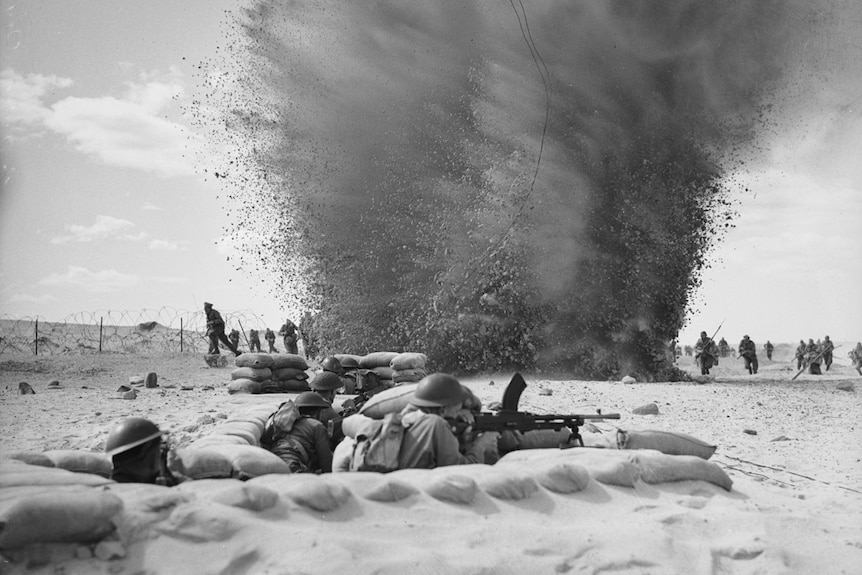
[149,206]
[104,281]
[130,131]
[104,227]
[21,97]
[164,245]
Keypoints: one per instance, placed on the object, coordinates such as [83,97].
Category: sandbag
[257,421]
[658,467]
[377,359]
[232,492]
[284,373]
[253,373]
[408,360]
[282,360]
[217,439]
[81,461]
[342,455]
[408,375]
[244,386]
[286,386]
[200,462]
[342,356]
[669,442]
[317,492]
[245,430]
[249,461]
[30,457]
[64,516]
[255,360]
[16,474]
[388,401]
[383,372]
[360,424]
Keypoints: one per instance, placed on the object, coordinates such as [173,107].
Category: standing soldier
[288,332]
[827,348]
[769,347]
[856,357]
[813,358]
[215,331]
[705,353]
[748,351]
[269,336]
[800,354]
[254,340]
[723,347]
[234,338]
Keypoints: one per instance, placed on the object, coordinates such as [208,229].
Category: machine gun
[510,419]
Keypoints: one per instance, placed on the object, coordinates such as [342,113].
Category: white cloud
[104,281]
[149,206]
[164,245]
[103,228]
[130,131]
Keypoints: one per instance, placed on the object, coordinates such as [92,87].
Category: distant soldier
[856,357]
[269,336]
[723,347]
[254,340]
[748,351]
[290,337]
[769,347]
[234,338]
[215,331]
[689,350]
[800,354]
[813,358]
[705,353]
[827,348]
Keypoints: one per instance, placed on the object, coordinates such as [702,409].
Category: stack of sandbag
[378,362]
[408,367]
[251,370]
[289,374]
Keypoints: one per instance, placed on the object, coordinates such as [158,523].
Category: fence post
[181,335]
[100,334]
[37,336]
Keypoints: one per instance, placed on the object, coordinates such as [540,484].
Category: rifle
[712,339]
[510,419]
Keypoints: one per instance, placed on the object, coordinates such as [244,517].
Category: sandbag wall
[265,373]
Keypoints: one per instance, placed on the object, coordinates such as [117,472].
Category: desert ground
[790,448]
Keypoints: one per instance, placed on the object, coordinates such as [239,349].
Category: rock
[187,386]
[152,380]
[648,409]
[131,394]
[55,385]
[215,360]
[701,379]
[545,391]
[629,379]
[749,431]
[25,388]
[781,438]
[136,380]
[123,389]
[845,386]
[169,386]
[491,382]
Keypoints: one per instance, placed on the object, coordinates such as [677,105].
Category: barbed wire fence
[162,330]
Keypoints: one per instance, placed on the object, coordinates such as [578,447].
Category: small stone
[781,438]
[98,413]
[54,385]
[206,420]
[629,380]
[845,386]
[25,388]
[123,389]
[83,552]
[152,380]
[169,386]
[648,409]
[491,382]
[187,387]
[545,391]
[207,388]
[749,431]
[131,394]
[221,415]
[136,380]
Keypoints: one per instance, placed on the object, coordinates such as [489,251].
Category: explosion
[499,185]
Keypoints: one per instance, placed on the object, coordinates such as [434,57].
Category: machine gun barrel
[522,421]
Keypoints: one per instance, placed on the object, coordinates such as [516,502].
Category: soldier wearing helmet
[429,438]
[137,453]
[305,446]
[326,385]
[748,351]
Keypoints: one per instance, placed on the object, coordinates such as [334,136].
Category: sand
[791,450]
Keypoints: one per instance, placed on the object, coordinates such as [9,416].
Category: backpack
[379,452]
[280,423]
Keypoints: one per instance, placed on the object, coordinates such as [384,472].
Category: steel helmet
[130,433]
[438,390]
[332,364]
[310,399]
[349,363]
[326,381]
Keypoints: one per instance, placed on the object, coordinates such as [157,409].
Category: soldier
[290,337]
[769,348]
[269,336]
[253,340]
[748,351]
[305,446]
[723,347]
[326,385]
[827,350]
[813,358]
[215,331]
[138,454]
[705,353]
[233,336]
[429,440]
[800,354]
[856,357]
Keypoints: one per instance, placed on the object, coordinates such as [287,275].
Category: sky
[108,201]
